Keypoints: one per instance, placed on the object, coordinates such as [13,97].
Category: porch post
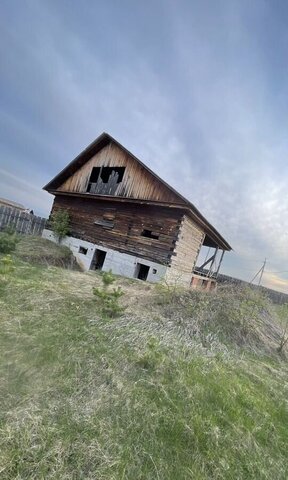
[219,265]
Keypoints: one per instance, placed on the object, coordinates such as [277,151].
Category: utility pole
[261,271]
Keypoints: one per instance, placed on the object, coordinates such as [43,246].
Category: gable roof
[102,141]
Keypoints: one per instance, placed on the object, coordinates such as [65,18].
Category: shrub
[8,242]
[107,300]
[60,222]
[6,265]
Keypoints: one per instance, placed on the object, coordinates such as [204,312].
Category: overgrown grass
[40,251]
[137,397]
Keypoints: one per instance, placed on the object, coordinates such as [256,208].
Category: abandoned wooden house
[124,218]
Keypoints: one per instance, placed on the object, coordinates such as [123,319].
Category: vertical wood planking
[21,222]
[137,181]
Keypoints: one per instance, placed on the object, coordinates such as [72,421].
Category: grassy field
[181,386]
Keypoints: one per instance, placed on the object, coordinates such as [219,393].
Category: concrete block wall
[74,243]
[125,264]
[119,263]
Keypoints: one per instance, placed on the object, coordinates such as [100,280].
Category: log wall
[187,248]
[119,226]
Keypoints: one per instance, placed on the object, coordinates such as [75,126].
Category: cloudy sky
[198,90]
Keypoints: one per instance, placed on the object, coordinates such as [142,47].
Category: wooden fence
[21,222]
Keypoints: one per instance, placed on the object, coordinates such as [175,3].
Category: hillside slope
[182,386]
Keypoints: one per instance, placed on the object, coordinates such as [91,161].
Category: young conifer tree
[60,222]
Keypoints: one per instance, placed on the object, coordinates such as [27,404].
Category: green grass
[138,397]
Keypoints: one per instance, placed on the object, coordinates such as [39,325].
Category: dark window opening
[142,271]
[98,260]
[149,234]
[94,174]
[93,177]
[106,172]
[83,250]
[154,271]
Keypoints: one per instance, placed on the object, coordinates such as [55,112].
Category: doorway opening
[98,260]
[142,271]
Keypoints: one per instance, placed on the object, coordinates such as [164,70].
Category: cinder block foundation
[119,263]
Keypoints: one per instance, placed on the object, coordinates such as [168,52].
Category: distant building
[123,217]
[9,203]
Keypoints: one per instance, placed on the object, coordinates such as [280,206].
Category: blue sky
[197,90]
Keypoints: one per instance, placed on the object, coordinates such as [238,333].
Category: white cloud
[22,191]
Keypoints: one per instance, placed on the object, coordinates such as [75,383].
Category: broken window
[93,177]
[106,172]
[104,175]
[83,250]
[154,271]
[149,234]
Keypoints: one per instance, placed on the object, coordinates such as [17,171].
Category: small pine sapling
[108,300]
[107,279]
[60,222]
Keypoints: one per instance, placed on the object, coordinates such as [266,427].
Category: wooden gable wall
[137,181]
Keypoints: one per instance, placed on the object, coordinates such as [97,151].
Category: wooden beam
[219,265]
[207,261]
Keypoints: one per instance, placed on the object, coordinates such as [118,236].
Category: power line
[262,271]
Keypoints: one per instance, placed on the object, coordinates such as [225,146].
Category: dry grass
[39,251]
[170,390]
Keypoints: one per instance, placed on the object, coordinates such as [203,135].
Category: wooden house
[123,217]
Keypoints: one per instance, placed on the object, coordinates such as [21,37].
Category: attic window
[107,171]
[105,175]
[149,234]
[93,177]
